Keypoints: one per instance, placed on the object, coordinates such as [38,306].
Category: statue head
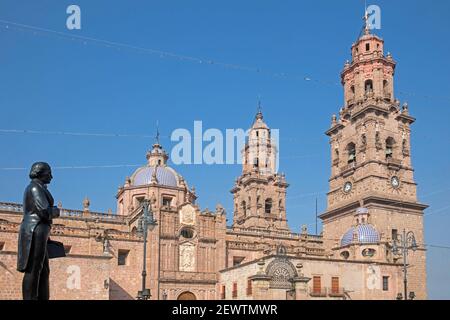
[42,172]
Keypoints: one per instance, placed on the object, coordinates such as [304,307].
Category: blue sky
[52,83]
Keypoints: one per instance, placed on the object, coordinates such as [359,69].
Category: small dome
[164,175]
[365,233]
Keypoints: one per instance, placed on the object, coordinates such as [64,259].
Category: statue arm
[43,209]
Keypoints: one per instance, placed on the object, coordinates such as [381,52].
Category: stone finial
[127,181]
[304,229]
[109,211]
[86,204]
[182,182]
[333,120]
[405,108]
[299,268]
[59,204]
[261,264]
[219,209]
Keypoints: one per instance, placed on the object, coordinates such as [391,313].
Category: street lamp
[146,222]
[406,242]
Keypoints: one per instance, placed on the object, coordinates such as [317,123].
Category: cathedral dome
[164,176]
[363,234]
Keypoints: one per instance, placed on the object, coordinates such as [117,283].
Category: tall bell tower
[371,158]
[260,192]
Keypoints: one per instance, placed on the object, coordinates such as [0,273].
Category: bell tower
[371,157]
[260,192]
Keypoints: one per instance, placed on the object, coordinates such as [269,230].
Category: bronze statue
[38,212]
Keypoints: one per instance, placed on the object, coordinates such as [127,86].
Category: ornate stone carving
[282,272]
[187,257]
[187,215]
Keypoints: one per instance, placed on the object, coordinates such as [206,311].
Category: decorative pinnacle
[259,114]
[366,20]
[157,132]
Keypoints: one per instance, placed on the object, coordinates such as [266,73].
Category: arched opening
[368,85]
[363,141]
[187,295]
[345,255]
[256,162]
[351,96]
[244,207]
[268,206]
[351,151]
[187,233]
[390,142]
[368,253]
[386,89]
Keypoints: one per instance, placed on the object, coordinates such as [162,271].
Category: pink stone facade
[193,253]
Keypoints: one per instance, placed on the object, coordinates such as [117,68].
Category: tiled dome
[365,233]
[165,176]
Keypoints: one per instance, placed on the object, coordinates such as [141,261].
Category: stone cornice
[308,258]
[334,129]
[386,163]
[349,207]
[367,108]
[405,118]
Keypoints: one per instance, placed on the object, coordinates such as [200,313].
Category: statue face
[46,176]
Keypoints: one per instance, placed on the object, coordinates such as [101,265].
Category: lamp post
[146,222]
[404,242]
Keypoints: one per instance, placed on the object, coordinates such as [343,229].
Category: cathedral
[193,254]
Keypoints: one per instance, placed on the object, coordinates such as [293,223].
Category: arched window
[187,233]
[244,207]
[363,142]
[268,206]
[351,150]
[351,94]
[386,89]
[390,142]
[368,85]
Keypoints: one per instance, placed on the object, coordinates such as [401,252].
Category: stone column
[301,288]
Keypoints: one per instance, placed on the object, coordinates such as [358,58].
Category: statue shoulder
[34,188]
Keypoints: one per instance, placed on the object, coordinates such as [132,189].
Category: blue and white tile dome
[365,234]
[165,175]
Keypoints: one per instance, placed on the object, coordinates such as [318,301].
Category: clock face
[347,187]
[395,182]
